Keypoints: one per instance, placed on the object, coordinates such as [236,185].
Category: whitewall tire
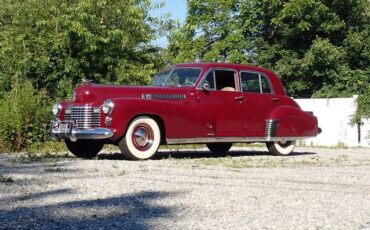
[281,148]
[142,139]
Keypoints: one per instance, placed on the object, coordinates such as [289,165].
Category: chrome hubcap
[142,137]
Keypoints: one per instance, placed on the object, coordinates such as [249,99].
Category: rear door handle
[239,98]
[275,99]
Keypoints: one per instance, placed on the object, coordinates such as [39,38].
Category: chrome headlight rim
[57,109]
[74,97]
[107,107]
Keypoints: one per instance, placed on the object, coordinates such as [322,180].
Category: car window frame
[236,79]
[173,68]
[260,74]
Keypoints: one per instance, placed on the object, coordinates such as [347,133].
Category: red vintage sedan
[213,103]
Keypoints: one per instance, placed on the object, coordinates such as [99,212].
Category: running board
[174,141]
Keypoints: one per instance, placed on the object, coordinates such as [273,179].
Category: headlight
[57,108]
[107,107]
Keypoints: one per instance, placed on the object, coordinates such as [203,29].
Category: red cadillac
[213,103]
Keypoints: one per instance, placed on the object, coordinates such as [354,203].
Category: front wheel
[280,148]
[142,139]
[84,148]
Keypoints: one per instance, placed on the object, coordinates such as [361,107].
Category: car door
[219,101]
[259,101]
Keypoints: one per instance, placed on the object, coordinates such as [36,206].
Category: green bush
[363,105]
[25,115]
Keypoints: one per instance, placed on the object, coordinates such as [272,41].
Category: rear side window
[255,83]
[266,88]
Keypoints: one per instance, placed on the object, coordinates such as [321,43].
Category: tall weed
[25,115]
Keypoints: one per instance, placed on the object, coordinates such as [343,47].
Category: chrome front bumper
[65,130]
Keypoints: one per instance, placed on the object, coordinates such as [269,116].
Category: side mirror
[205,86]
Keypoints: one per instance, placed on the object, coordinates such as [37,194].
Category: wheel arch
[156,118]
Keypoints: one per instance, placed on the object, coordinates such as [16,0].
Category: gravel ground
[316,188]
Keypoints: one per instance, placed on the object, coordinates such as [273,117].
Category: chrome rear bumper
[65,130]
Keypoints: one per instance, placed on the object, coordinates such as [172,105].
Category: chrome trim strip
[151,96]
[202,140]
[270,128]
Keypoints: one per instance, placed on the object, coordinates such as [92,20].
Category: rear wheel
[281,148]
[142,139]
[84,148]
[219,148]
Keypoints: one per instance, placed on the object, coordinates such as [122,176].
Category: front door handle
[275,99]
[239,98]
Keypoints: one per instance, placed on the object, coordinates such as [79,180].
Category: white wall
[334,116]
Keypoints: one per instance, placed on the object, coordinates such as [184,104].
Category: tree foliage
[47,47]
[320,48]
[211,33]
[55,44]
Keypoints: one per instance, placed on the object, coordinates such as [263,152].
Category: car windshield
[177,77]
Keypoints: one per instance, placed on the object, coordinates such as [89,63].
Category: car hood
[95,94]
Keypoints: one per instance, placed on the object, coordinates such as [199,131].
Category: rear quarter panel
[293,122]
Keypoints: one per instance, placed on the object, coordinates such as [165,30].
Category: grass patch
[250,145]
[111,148]
[48,147]
[28,158]
[182,147]
[270,162]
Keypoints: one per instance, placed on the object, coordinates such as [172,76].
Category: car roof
[238,67]
[223,65]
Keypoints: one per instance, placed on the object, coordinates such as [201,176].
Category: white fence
[334,117]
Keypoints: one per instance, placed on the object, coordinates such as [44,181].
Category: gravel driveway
[316,188]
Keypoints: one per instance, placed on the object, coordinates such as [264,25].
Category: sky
[177,9]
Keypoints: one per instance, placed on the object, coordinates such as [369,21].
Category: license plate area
[65,126]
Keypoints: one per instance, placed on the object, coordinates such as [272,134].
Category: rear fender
[288,121]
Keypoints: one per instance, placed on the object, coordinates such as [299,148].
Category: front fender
[126,109]
[293,122]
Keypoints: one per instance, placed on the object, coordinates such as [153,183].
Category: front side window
[177,77]
[220,80]
[255,83]
[210,80]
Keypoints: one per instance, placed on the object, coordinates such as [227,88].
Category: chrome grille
[85,116]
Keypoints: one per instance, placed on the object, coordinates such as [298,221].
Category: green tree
[57,43]
[310,44]
[320,48]
[210,33]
